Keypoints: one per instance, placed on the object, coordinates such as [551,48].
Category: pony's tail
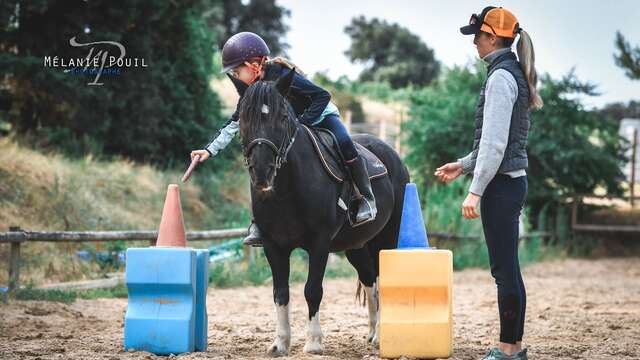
[527,58]
[361,297]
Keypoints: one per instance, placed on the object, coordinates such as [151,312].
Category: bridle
[281,151]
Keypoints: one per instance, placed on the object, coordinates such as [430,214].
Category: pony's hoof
[312,347]
[374,339]
[370,337]
[277,349]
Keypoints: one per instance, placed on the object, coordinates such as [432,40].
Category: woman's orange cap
[493,20]
[503,22]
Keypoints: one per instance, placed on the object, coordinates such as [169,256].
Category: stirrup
[254,238]
[353,215]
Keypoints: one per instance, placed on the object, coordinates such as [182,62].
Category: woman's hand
[449,172]
[204,154]
[470,205]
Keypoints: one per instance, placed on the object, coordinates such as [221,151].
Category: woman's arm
[500,95]
[468,162]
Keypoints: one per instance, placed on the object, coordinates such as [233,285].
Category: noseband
[281,151]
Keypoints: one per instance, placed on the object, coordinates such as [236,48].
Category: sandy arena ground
[577,309]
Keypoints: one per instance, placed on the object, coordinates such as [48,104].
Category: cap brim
[470,29]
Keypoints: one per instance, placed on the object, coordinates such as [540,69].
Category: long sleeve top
[501,92]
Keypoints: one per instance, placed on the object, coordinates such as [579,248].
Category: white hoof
[278,348]
[314,337]
[375,341]
[371,335]
[313,347]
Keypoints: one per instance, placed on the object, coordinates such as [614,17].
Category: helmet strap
[256,69]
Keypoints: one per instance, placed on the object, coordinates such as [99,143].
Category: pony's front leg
[313,295]
[279,262]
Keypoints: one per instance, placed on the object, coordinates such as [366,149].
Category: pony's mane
[262,107]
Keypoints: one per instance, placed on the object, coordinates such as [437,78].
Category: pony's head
[267,128]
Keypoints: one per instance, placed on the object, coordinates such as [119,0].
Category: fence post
[382,132]
[14,263]
[574,211]
[347,120]
[634,150]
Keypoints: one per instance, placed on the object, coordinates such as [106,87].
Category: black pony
[295,204]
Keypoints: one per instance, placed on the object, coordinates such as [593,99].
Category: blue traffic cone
[413,233]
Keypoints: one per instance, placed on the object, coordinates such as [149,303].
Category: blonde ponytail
[527,58]
[286,63]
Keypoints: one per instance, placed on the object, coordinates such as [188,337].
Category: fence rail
[19,235]
[577,201]
[16,236]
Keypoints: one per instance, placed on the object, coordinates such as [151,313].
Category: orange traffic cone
[171,231]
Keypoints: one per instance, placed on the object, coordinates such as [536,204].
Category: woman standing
[498,161]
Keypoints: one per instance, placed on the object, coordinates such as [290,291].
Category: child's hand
[204,154]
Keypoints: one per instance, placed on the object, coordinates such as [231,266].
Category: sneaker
[497,354]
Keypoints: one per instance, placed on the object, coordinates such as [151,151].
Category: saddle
[330,156]
[328,152]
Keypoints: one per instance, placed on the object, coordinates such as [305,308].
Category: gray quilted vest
[515,155]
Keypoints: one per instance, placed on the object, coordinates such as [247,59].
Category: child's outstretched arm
[224,137]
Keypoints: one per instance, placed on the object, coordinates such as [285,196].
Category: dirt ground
[577,309]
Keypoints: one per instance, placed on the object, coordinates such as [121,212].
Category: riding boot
[255,235]
[367,208]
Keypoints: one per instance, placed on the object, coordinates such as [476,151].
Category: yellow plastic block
[416,303]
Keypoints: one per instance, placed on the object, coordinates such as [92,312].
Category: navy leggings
[500,209]
[333,124]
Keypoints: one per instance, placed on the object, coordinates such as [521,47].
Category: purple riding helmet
[242,47]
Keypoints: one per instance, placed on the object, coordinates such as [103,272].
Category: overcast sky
[565,34]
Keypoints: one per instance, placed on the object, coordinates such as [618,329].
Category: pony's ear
[284,83]
[240,85]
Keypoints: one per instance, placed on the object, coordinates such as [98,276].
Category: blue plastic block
[413,233]
[160,315]
[202,281]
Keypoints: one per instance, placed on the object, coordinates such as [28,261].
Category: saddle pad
[326,147]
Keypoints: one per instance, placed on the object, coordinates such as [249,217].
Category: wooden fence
[16,236]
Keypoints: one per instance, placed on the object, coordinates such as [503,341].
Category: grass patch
[236,274]
[63,296]
[69,296]
[119,291]
[50,192]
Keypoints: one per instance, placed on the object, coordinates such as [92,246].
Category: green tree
[391,53]
[156,113]
[571,149]
[342,95]
[263,17]
[628,57]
